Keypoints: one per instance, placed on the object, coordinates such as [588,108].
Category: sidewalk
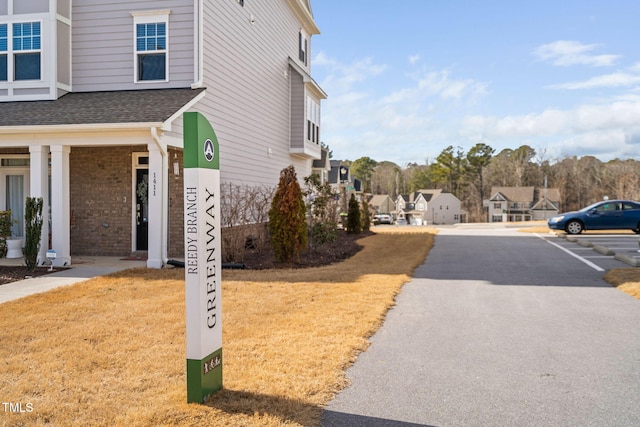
[82,268]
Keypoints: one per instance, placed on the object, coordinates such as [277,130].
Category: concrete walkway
[82,268]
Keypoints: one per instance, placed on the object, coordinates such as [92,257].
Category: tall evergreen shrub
[354,223]
[287,223]
[366,216]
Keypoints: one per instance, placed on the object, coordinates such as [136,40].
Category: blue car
[605,215]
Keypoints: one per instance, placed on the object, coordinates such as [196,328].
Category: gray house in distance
[91,100]
[523,203]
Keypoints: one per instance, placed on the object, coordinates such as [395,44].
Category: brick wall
[100,183]
[176,207]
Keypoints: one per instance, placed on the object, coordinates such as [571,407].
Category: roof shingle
[132,106]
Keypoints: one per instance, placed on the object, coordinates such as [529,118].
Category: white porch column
[60,216]
[157,215]
[39,171]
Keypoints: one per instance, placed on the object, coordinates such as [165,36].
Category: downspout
[165,192]
[198,42]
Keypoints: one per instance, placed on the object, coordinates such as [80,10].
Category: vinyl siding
[298,120]
[103,44]
[32,6]
[246,74]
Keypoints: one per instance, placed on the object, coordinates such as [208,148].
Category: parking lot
[503,327]
[614,250]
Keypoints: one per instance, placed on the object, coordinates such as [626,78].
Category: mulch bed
[344,247]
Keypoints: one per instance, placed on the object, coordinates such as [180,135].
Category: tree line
[471,175]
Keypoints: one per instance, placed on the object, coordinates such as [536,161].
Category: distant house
[322,166]
[382,204]
[547,204]
[523,203]
[430,206]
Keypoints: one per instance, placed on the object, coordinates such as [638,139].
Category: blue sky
[407,79]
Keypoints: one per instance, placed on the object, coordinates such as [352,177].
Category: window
[303,46]
[4,47]
[26,48]
[313,120]
[151,46]
[420,206]
[497,206]
[20,51]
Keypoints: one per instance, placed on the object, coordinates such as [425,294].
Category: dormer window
[151,46]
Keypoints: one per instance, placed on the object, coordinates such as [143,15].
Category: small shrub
[33,231]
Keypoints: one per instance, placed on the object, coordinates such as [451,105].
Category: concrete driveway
[499,328]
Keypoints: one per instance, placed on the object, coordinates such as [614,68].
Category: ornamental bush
[322,211]
[287,222]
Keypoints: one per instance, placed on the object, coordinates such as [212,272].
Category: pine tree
[287,222]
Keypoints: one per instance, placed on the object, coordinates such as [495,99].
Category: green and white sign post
[203,266]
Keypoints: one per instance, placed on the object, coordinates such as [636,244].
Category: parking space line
[586,261]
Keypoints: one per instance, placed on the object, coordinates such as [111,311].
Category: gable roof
[544,204]
[85,108]
[514,194]
[429,194]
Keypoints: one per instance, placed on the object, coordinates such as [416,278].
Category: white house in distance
[430,206]
[91,100]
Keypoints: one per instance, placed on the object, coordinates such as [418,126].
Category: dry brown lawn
[625,279]
[111,351]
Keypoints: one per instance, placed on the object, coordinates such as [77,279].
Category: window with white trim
[313,120]
[151,46]
[21,51]
[4,49]
[26,50]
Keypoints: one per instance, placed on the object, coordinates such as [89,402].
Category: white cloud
[395,110]
[414,59]
[606,129]
[567,52]
[619,79]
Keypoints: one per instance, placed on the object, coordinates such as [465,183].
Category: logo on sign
[209,152]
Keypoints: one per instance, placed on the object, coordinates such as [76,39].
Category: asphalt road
[500,328]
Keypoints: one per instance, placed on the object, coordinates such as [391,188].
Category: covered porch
[100,161]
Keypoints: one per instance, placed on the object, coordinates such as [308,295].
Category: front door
[142,209]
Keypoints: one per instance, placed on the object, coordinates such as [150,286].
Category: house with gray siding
[429,206]
[92,94]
